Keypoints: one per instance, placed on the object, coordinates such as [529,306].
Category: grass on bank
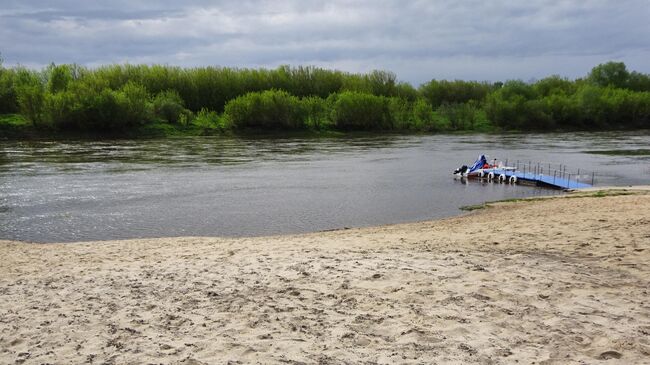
[573,195]
[14,125]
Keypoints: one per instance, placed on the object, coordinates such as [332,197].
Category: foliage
[59,77]
[137,108]
[554,85]
[439,92]
[317,111]
[29,95]
[13,125]
[173,100]
[425,119]
[8,97]
[169,106]
[613,74]
[520,106]
[464,116]
[361,111]
[638,81]
[208,120]
[271,109]
[92,107]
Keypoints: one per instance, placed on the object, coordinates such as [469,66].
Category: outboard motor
[461,170]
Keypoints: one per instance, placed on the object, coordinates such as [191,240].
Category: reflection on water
[228,186]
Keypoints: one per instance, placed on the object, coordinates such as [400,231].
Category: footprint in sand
[362,341]
[611,354]
[17,341]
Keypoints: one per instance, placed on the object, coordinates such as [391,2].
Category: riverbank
[558,280]
[14,127]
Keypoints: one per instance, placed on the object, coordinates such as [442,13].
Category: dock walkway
[562,181]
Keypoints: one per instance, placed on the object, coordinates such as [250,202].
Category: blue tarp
[478,164]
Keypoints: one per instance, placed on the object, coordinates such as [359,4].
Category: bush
[439,92]
[58,77]
[8,98]
[361,111]
[209,120]
[137,107]
[425,119]
[271,109]
[317,111]
[81,107]
[118,97]
[169,106]
[14,125]
[516,105]
[553,85]
[30,96]
[466,116]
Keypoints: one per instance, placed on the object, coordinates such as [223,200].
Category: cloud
[418,40]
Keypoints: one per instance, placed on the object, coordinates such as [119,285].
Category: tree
[30,95]
[554,85]
[8,100]
[438,92]
[639,81]
[613,74]
[58,77]
[136,105]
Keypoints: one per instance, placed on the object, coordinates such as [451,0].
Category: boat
[481,168]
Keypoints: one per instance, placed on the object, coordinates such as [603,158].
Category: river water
[65,191]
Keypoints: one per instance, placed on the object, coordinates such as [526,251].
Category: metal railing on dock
[562,175]
[557,176]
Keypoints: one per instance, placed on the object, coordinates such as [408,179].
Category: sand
[546,281]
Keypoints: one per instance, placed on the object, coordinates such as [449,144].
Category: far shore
[557,280]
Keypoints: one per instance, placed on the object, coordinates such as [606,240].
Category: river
[66,191]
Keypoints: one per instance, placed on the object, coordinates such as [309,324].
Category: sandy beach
[563,280]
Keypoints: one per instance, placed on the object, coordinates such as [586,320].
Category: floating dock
[555,181]
[536,174]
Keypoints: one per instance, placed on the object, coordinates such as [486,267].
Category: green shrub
[317,111]
[118,97]
[438,92]
[425,119]
[137,107]
[361,111]
[169,106]
[12,125]
[8,98]
[30,96]
[463,116]
[83,108]
[209,120]
[271,109]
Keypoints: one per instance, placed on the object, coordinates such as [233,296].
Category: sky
[418,40]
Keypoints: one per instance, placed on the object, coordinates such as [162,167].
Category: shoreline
[463,211]
[561,279]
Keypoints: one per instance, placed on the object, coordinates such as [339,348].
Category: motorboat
[481,168]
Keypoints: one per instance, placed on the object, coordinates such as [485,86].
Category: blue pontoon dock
[563,181]
[537,174]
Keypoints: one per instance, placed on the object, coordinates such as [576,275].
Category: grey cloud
[418,40]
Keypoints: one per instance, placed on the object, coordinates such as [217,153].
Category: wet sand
[547,281]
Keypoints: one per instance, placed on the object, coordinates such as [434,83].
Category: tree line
[119,98]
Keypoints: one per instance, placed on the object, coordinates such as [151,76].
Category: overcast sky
[418,40]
